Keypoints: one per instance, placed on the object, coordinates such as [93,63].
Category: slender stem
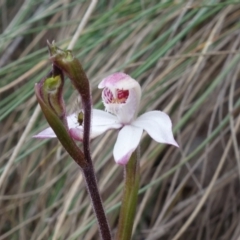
[129,200]
[87,107]
[92,188]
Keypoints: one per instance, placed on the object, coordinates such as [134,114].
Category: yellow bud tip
[52,83]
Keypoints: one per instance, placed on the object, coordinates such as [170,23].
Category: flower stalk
[96,200]
[129,199]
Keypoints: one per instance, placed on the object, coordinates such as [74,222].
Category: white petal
[158,125]
[102,118]
[127,141]
[47,133]
[99,117]
[77,133]
[101,122]
[72,121]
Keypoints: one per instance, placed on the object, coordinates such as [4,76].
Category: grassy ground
[185,55]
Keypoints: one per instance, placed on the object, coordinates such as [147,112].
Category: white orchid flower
[121,97]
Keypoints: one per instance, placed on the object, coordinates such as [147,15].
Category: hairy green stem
[93,191]
[129,200]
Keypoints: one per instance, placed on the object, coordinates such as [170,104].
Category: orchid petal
[99,118]
[47,133]
[72,121]
[158,125]
[101,122]
[77,133]
[127,141]
[102,118]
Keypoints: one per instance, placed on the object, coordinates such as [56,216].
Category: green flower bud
[51,91]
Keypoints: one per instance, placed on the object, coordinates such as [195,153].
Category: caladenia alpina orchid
[121,97]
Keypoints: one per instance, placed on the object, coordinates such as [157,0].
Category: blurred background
[185,55]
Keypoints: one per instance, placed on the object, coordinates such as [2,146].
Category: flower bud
[50,89]
[49,93]
[71,66]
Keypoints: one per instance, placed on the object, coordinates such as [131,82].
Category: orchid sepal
[127,141]
[158,125]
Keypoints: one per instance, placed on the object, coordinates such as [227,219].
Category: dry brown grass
[186,57]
